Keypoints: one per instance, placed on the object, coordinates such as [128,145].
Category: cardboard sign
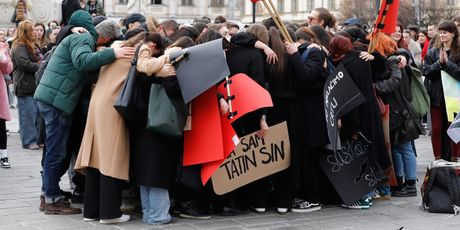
[204,67]
[451,89]
[254,158]
[350,172]
[341,95]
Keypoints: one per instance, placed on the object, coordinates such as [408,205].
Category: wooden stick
[283,27]
[275,19]
[229,101]
[372,42]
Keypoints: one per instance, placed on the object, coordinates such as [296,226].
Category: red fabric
[204,142]
[439,126]
[249,96]
[254,1]
[391,17]
[212,137]
[425,48]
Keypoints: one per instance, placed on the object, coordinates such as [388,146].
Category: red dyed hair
[339,46]
[383,44]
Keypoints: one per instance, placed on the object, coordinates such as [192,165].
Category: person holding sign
[364,119]
[444,56]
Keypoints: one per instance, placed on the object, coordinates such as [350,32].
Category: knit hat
[134,18]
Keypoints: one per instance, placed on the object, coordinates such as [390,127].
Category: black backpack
[43,64]
[441,190]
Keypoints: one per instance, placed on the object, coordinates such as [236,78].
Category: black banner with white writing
[350,171]
[340,97]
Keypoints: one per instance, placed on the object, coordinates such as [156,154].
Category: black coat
[432,72]
[311,76]
[25,65]
[154,157]
[249,61]
[366,117]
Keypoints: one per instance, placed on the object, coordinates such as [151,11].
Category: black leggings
[2,134]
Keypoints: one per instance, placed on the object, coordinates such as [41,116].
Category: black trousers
[102,196]
[2,134]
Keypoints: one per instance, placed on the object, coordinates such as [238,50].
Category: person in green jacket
[57,95]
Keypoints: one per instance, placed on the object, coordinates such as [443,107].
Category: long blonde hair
[23,36]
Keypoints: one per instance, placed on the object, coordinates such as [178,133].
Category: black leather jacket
[432,72]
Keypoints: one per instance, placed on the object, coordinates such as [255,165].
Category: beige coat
[105,144]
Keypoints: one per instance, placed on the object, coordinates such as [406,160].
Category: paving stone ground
[20,190]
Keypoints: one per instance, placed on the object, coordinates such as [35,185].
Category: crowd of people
[66,107]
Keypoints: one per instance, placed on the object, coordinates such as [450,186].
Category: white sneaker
[89,219]
[282,210]
[123,218]
[259,210]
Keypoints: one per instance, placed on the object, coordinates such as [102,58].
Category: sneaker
[190,211]
[282,210]
[4,163]
[304,206]
[360,204]
[370,201]
[90,219]
[405,191]
[61,207]
[259,210]
[123,218]
[126,206]
[41,208]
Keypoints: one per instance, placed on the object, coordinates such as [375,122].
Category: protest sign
[204,66]
[350,172]
[254,158]
[454,130]
[451,89]
[340,97]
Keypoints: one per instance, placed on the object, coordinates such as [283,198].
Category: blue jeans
[155,205]
[57,128]
[28,114]
[404,161]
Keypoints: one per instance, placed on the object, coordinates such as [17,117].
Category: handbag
[125,103]
[441,188]
[420,97]
[166,116]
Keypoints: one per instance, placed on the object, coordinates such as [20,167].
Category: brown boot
[60,207]
[41,208]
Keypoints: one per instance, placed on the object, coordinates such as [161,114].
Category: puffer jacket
[432,72]
[67,70]
[24,67]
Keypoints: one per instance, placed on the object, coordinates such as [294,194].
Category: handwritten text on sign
[350,171]
[254,158]
[340,97]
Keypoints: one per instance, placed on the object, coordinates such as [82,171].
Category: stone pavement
[20,190]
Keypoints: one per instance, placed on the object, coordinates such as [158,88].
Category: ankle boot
[400,183]
[409,189]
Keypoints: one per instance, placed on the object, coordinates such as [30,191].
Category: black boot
[400,184]
[409,189]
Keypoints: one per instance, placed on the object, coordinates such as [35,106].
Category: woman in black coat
[311,74]
[365,118]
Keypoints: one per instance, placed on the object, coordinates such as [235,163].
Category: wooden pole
[279,24]
[229,97]
[377,24]
[283,27]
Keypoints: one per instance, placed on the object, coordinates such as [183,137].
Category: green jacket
[68,68]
